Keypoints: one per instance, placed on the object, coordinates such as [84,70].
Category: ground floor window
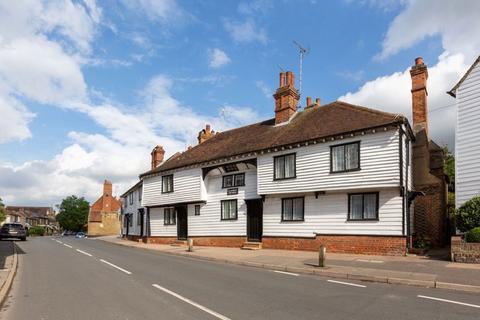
[197,209]
[169,216]
[293,209]
[363,206]
[229,209]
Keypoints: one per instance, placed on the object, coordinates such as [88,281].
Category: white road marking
[347,283]
[193,303]
[450,301]
[371,261]
[59,241]
[289,273]
[67,245]
[117,267]
[85,253]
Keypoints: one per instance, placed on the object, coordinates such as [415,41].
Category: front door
[142,219]
[182,222]
[254,220]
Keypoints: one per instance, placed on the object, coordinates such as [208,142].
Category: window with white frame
[363,206]
[345,157]
[284,166]
[229,209]
[293,209]
[169,216]
[167,183]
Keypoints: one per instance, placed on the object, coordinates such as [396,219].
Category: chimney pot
[419,75]
[205,134]
[286,98]
[317,101]
[282,79]
[418,61]
[309,101]
[289,78]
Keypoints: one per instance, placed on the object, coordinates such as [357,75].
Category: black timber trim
[176,204]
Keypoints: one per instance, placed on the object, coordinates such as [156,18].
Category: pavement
[427,271]
[68,278]
[8,264]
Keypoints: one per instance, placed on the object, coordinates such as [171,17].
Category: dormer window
[167,183]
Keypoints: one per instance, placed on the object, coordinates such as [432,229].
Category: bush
[36,231]
[467,216]
[473,235]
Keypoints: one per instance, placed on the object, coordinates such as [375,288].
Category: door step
[179,243]
[252,246]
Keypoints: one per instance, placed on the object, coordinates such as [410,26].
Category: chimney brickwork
[205,134]
[157,156]
[107,195]
[419,74]
[286,98]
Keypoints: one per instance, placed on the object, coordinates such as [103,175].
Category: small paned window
[169,216]
[233,180]
[197,209]
[363,206]
[293,209]
[284,167]
[345,157]
[167,183]
[229,209]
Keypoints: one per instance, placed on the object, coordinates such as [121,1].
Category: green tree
[2,211]
[449,166]
[73,213]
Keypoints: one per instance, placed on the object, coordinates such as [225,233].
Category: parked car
[80,235]
[13,230]
[68,233]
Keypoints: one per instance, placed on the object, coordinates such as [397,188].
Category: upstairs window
[284,167]
[293,209]
[130,198]
[363,206]
[140,194]
[169,216]
[229,209]
[345,157]
[233,180]
[167,183]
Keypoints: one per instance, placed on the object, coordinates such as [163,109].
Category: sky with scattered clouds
[88,88]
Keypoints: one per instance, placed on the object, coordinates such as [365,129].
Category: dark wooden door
[182,223]
[254,220]
[142,222]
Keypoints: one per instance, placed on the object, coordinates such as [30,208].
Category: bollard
[322,256]
[190,244]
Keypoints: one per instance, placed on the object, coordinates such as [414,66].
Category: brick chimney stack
[419,74]
[107,195]
[286,98]
[157,156]
[205,134]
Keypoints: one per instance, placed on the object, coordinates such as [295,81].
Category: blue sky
[88,88]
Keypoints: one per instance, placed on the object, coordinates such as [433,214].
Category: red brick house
[104,214]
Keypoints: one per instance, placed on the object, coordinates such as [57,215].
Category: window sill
[287,221]
[232,219]
[345,171]
[164,192]
[360,220]
[280,179]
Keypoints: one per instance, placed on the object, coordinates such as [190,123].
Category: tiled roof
[333,119]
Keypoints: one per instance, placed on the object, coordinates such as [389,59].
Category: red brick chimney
[419,74]
[107,195]
[286,98]
[205,134]
[157,156]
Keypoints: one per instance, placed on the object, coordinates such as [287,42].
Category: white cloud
[456,22]
[246,31]
[266,90]
[14,119]
[392,93]
[218,58]
[162,11]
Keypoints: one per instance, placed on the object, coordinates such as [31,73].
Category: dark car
[13,230]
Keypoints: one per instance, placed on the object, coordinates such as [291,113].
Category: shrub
[467,216]
[36,231]
[473,235]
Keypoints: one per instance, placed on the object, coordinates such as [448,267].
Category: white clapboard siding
[132,209]
[209,222]
[186,188]
[157,227]
[379,161]
[328,215]
[467,145]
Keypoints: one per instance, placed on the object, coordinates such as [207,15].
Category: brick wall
[462,251]
[430,216]
[374,245]
[233,242]
[110,225]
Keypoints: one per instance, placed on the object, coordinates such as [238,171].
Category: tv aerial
[302,51]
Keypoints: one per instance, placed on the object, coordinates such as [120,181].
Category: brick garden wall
[465,252]
[233,242]
[373,245]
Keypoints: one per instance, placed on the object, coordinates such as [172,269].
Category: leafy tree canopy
[73,213]
[468,215]
[2,211]
[449,165]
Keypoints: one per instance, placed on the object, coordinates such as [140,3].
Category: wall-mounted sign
[232,191]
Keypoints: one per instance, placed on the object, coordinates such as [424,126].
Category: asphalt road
[92,279]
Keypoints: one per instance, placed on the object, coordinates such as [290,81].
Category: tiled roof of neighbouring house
[333,119]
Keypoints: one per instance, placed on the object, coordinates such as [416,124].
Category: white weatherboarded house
[467,137]
[337,174]
[134,224]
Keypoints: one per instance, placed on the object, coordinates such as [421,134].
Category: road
[69,278]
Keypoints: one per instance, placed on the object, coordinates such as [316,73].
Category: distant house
[467,137]
[32,217]
[104,214]
[133,214]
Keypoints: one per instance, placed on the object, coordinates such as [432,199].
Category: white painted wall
[379,162]
[157,228]
[133,209]
[328,215]
[467,145]
[186,188]
[209,222]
